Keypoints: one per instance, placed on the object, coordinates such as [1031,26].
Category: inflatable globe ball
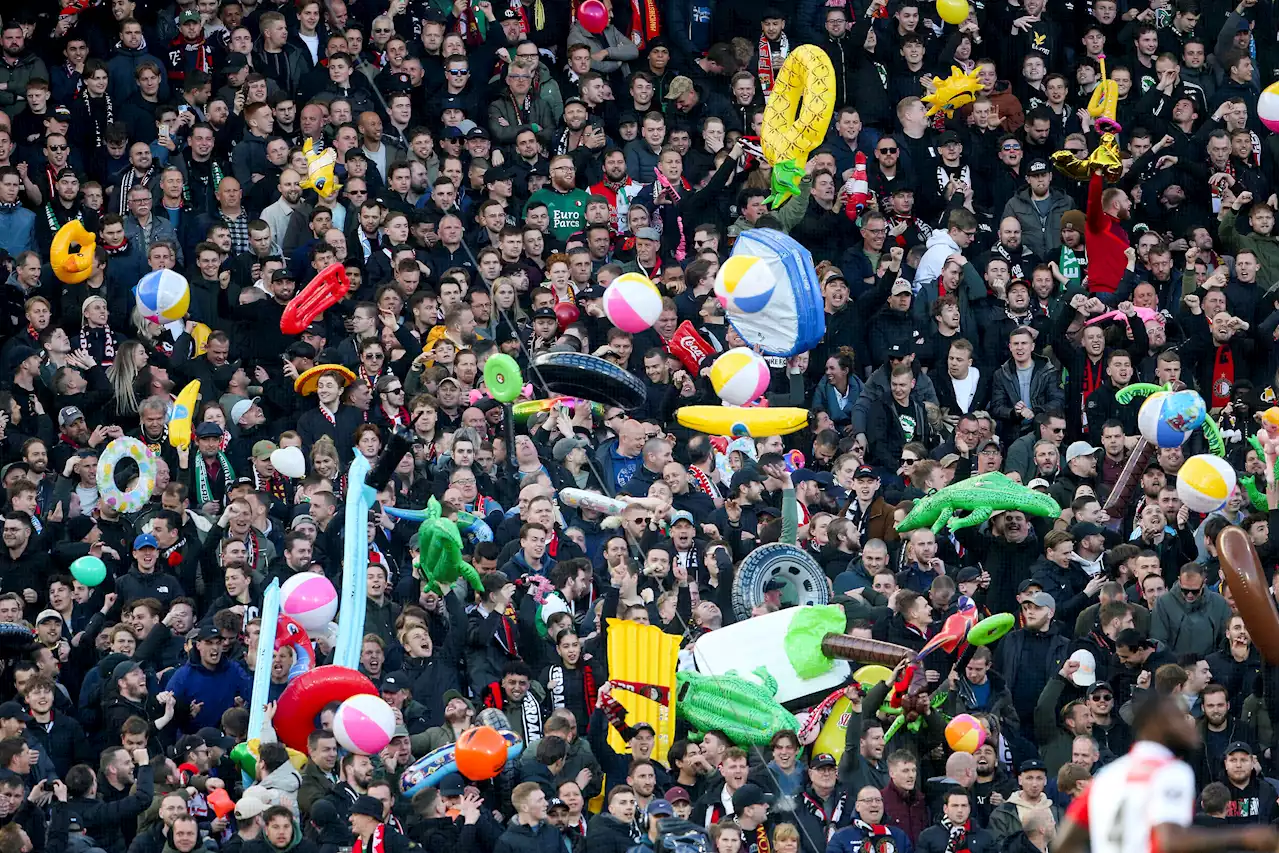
[1167,418]
[310,599]
[481,753]
[739,376]
[364,724]
[1269,107]
[162,296]
[1205,482]
[632,303]
[89,570]
[964,733]
[745,283]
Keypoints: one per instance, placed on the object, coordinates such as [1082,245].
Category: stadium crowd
[496,160]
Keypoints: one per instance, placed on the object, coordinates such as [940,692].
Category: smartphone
[164,131]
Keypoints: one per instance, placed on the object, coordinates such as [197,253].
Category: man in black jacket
[108,811]
[955,823]
[897,420]
[1028,657]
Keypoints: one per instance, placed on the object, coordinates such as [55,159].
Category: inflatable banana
[799,110]
[72,267]
[1103,101]
[320,165]
[642,670]
[180,421]
[729,420]
[954,92]
[200,336]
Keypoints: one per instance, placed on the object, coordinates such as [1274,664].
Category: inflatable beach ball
[1269,107]
[739,376]
[162,296]
[745,283]
[632,303]
[1167,418]
[964,733]
[1205,482]
[310,599]
[364,724]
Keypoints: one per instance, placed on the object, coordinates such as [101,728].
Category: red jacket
[908,812]
[1105,240]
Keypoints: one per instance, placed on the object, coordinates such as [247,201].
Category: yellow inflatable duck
[1105,159]
[954,92]
[320,166]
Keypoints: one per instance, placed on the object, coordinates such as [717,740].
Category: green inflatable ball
[89,570]
[502,378]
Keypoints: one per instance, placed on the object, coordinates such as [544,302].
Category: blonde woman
[123,376]
[324,461]
[96,336]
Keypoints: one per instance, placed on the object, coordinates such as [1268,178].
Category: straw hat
[305,384]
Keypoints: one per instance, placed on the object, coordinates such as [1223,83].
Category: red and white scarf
[645,22]
[377,841]
[770,61]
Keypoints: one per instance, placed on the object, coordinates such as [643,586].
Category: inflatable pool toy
[1104,160]
[991,629]
[691,348]
[72,267]
[523,410]
[162,296]
[575,374]
[302,701]
[502,378]
[1205,482]
[566,315]
[739,376]
[983,497]
[440,551]
[320,169]
[310,599]
[428,770]
[964,733]
[632,303]
[289,634]
[305,384]
[803,580]
[1248,583]
[323,292]
[744,709]
[798,113]
[1269,107]
[954,92]
[364,724]
[200,337]
[593,16]
[771,294]
[220,801]
[953,12]
[727,420]
[137,497]
[586,499]
[184,406]
[642,670]
[262,667]
[480,753]
[245,756]
[1167,418]
[290,462]
[89,570]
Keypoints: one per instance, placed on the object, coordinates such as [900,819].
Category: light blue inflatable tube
[355,565]
[262,662]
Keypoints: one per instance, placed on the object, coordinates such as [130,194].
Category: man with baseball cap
[146,579]
[1029,656]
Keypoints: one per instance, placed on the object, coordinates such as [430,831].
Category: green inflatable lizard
[440,551]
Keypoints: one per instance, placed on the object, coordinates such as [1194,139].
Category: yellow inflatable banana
[731,420]
[798,113]
[180,421]
[72,267]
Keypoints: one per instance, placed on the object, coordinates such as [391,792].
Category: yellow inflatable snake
[1105,159]
[72,267]
[799,110]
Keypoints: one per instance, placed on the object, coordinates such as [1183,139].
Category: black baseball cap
[452,785]
[750,794]
[1132,638]
[12,710]
[1234,746]
[865,472]
[1031,764]
[823,759]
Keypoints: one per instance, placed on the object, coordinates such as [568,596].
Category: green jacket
[1266,248]
[788,216]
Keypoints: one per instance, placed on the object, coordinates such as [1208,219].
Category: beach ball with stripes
[632,303]
[745,284]
[1269,107]
[364,724]
[1205,482]
[739,376]
[162,296]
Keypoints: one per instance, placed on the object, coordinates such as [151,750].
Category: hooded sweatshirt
[1190,626]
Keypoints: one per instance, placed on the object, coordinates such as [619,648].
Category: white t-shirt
[313,45]
[965,389]
[1132,796]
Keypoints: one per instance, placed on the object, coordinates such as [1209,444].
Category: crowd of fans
[497,160]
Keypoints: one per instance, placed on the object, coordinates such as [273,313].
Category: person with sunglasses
[1190,617]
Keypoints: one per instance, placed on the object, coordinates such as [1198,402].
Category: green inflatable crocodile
[982,497]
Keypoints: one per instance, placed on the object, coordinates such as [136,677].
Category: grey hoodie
[1190,626]
[279,788]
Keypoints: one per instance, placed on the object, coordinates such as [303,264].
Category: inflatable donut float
[306,695]
[72,267]
[441,761]
[574,374]
[135,498]
[798,113]
[502,378]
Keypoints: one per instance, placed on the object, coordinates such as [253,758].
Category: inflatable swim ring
[322,292]
[72,267]
[577,375]
[301,702]
[799,110]
[502,378]
[439,763]
[727,420]
[134,499]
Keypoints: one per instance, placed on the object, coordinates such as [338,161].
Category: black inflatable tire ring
[589,378]
[785,563]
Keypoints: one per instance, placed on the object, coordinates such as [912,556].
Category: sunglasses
[459,72]
[893,150]
[1102,697]
[1010,147]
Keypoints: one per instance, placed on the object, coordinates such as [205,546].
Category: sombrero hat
[305,384]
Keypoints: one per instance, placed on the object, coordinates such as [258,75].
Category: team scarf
[556,675]
[203,56]
[770,61]
[377,841]
[204,489]
[667,185]
[130,178]
[645,22]
[100,127]
[89,336]
[702,482]
[958,836]
[819,810]
[943,177]
[876,838]
[215,178]
[172,555]
[1224,374]
[530,710]
[275,484]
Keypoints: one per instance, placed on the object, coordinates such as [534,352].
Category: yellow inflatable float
[798,114]
[184,406]
[72,267]
[731,420]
